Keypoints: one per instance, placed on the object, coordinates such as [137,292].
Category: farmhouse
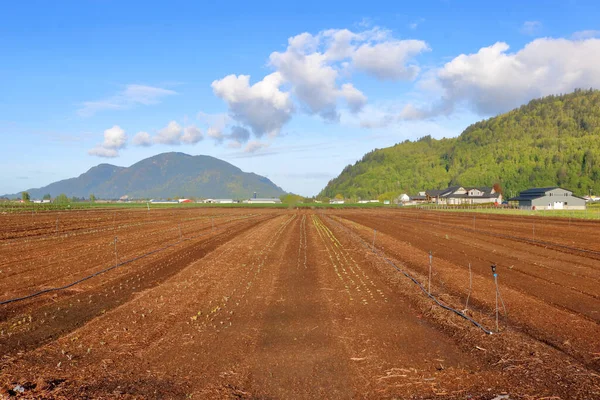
[264,201]
[464,195]
[549,198]
[419,198]
[336,201]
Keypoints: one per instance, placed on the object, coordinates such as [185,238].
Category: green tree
[291,199]
[25,197]
[47,197]
[61,199]
[92,198]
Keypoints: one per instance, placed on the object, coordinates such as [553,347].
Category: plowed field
[260,303]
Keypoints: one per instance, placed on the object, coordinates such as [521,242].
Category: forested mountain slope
[550,141]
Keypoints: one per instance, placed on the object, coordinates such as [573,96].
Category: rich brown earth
[297,304]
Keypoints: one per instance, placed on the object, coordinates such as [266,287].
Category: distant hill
[163,176]
[553,141]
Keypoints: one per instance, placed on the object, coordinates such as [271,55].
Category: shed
[549,198]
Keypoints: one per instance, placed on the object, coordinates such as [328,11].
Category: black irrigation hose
[381,254]
[55,289]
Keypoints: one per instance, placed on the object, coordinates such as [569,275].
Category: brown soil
[295,304]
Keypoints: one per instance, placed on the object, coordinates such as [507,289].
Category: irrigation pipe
[103,271]
[432,297]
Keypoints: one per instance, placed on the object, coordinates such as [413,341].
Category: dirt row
[574,232]
[27,266]
[552,296]
[288,304]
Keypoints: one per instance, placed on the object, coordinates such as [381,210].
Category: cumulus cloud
[215,134]
[103,152]
[170,134]
[262,106]
[142,139]
[493,80]
[390,60]
[312,75]
[215,124]
[587,34]
[191,135]
[130,97]
[354,97]
[115,139]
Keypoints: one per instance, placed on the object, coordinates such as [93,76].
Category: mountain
[553,141]
[163,176]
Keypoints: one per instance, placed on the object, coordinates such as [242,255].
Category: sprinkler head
[493,266]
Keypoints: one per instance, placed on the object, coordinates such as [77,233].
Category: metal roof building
[264,201]
[549,198]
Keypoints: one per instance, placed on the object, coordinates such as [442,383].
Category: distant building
[368,201]
[336,201]
[549,198]
[464,195]
[185,201]
[419,198]
[219,201]
[402,199]
[255,200]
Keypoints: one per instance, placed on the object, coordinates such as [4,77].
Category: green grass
[592,211]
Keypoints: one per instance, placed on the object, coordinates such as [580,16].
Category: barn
[549,198]
[264,201]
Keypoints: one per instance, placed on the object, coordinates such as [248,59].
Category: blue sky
[294,92]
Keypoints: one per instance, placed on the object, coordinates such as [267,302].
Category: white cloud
[531,27]
[389,60]
[114,140]
[170,134]
[215,133]
[215,124]
[587,34]
[314,71]
[142,139]
[191,135]
[313,81]
[262,106]
[354,97]
[493,80]
[102,152]
[130,97]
